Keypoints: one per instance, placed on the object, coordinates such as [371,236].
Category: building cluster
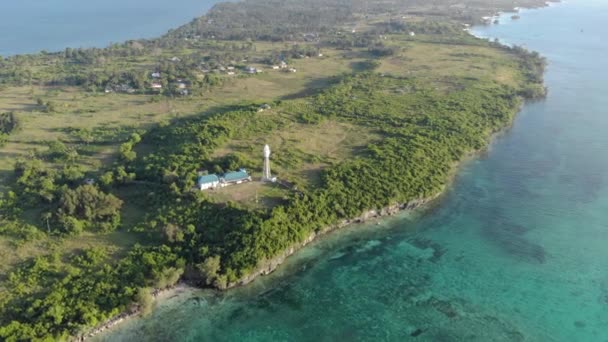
[181,85]
[213,181]
[283,66]
[120,88]
[231,70]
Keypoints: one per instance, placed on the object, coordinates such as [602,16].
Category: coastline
[271,265]
[489,17]
[158,295]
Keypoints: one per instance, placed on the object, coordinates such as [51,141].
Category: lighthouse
[267,177]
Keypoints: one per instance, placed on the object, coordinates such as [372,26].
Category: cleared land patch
[445,64]
[252,195]
[300,151]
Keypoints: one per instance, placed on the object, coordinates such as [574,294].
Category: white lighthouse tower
[267,176]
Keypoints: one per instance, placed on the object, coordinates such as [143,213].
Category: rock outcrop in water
[510,239]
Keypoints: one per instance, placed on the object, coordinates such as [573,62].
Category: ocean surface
[517,250]
[28,26]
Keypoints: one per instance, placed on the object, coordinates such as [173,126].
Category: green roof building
[208,181]
[235,177]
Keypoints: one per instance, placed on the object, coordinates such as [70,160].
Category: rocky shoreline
[158,294]
[267,267]
[272,264]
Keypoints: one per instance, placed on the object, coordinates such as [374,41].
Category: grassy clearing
[117,244]
[129,113]
[446,64]
[252,195]
[300,151]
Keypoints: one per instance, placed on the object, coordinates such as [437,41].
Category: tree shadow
[314,87]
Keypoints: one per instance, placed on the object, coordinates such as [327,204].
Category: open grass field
[252,195]
[116,244]
[300,151]
[124,114]
[442,64]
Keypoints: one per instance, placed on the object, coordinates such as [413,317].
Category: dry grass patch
[435,62]
[254,195]
[301,151]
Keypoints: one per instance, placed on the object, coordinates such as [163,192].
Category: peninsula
[116,161]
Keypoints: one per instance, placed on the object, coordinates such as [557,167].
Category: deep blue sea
[28,26]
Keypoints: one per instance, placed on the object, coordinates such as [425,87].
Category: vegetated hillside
[102,209]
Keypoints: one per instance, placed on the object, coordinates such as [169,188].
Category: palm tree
[46,216]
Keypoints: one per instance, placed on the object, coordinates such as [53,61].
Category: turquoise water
[28,26]
[516,250]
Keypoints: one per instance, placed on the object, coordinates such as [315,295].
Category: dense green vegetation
[412,124]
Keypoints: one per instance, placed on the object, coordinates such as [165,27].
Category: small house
[412,34]
[175,59]
[282,65]
[251,70]
[235,177]
[275,67]
[230,73]
[292,70]
[208,182]
[156,85]
[156,74]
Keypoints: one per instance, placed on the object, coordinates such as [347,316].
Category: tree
[126,151]
[144,300]
[46,216]
[107,178]
[91,206]
[85,135]
[173,233]
[168,277]
[209,269]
